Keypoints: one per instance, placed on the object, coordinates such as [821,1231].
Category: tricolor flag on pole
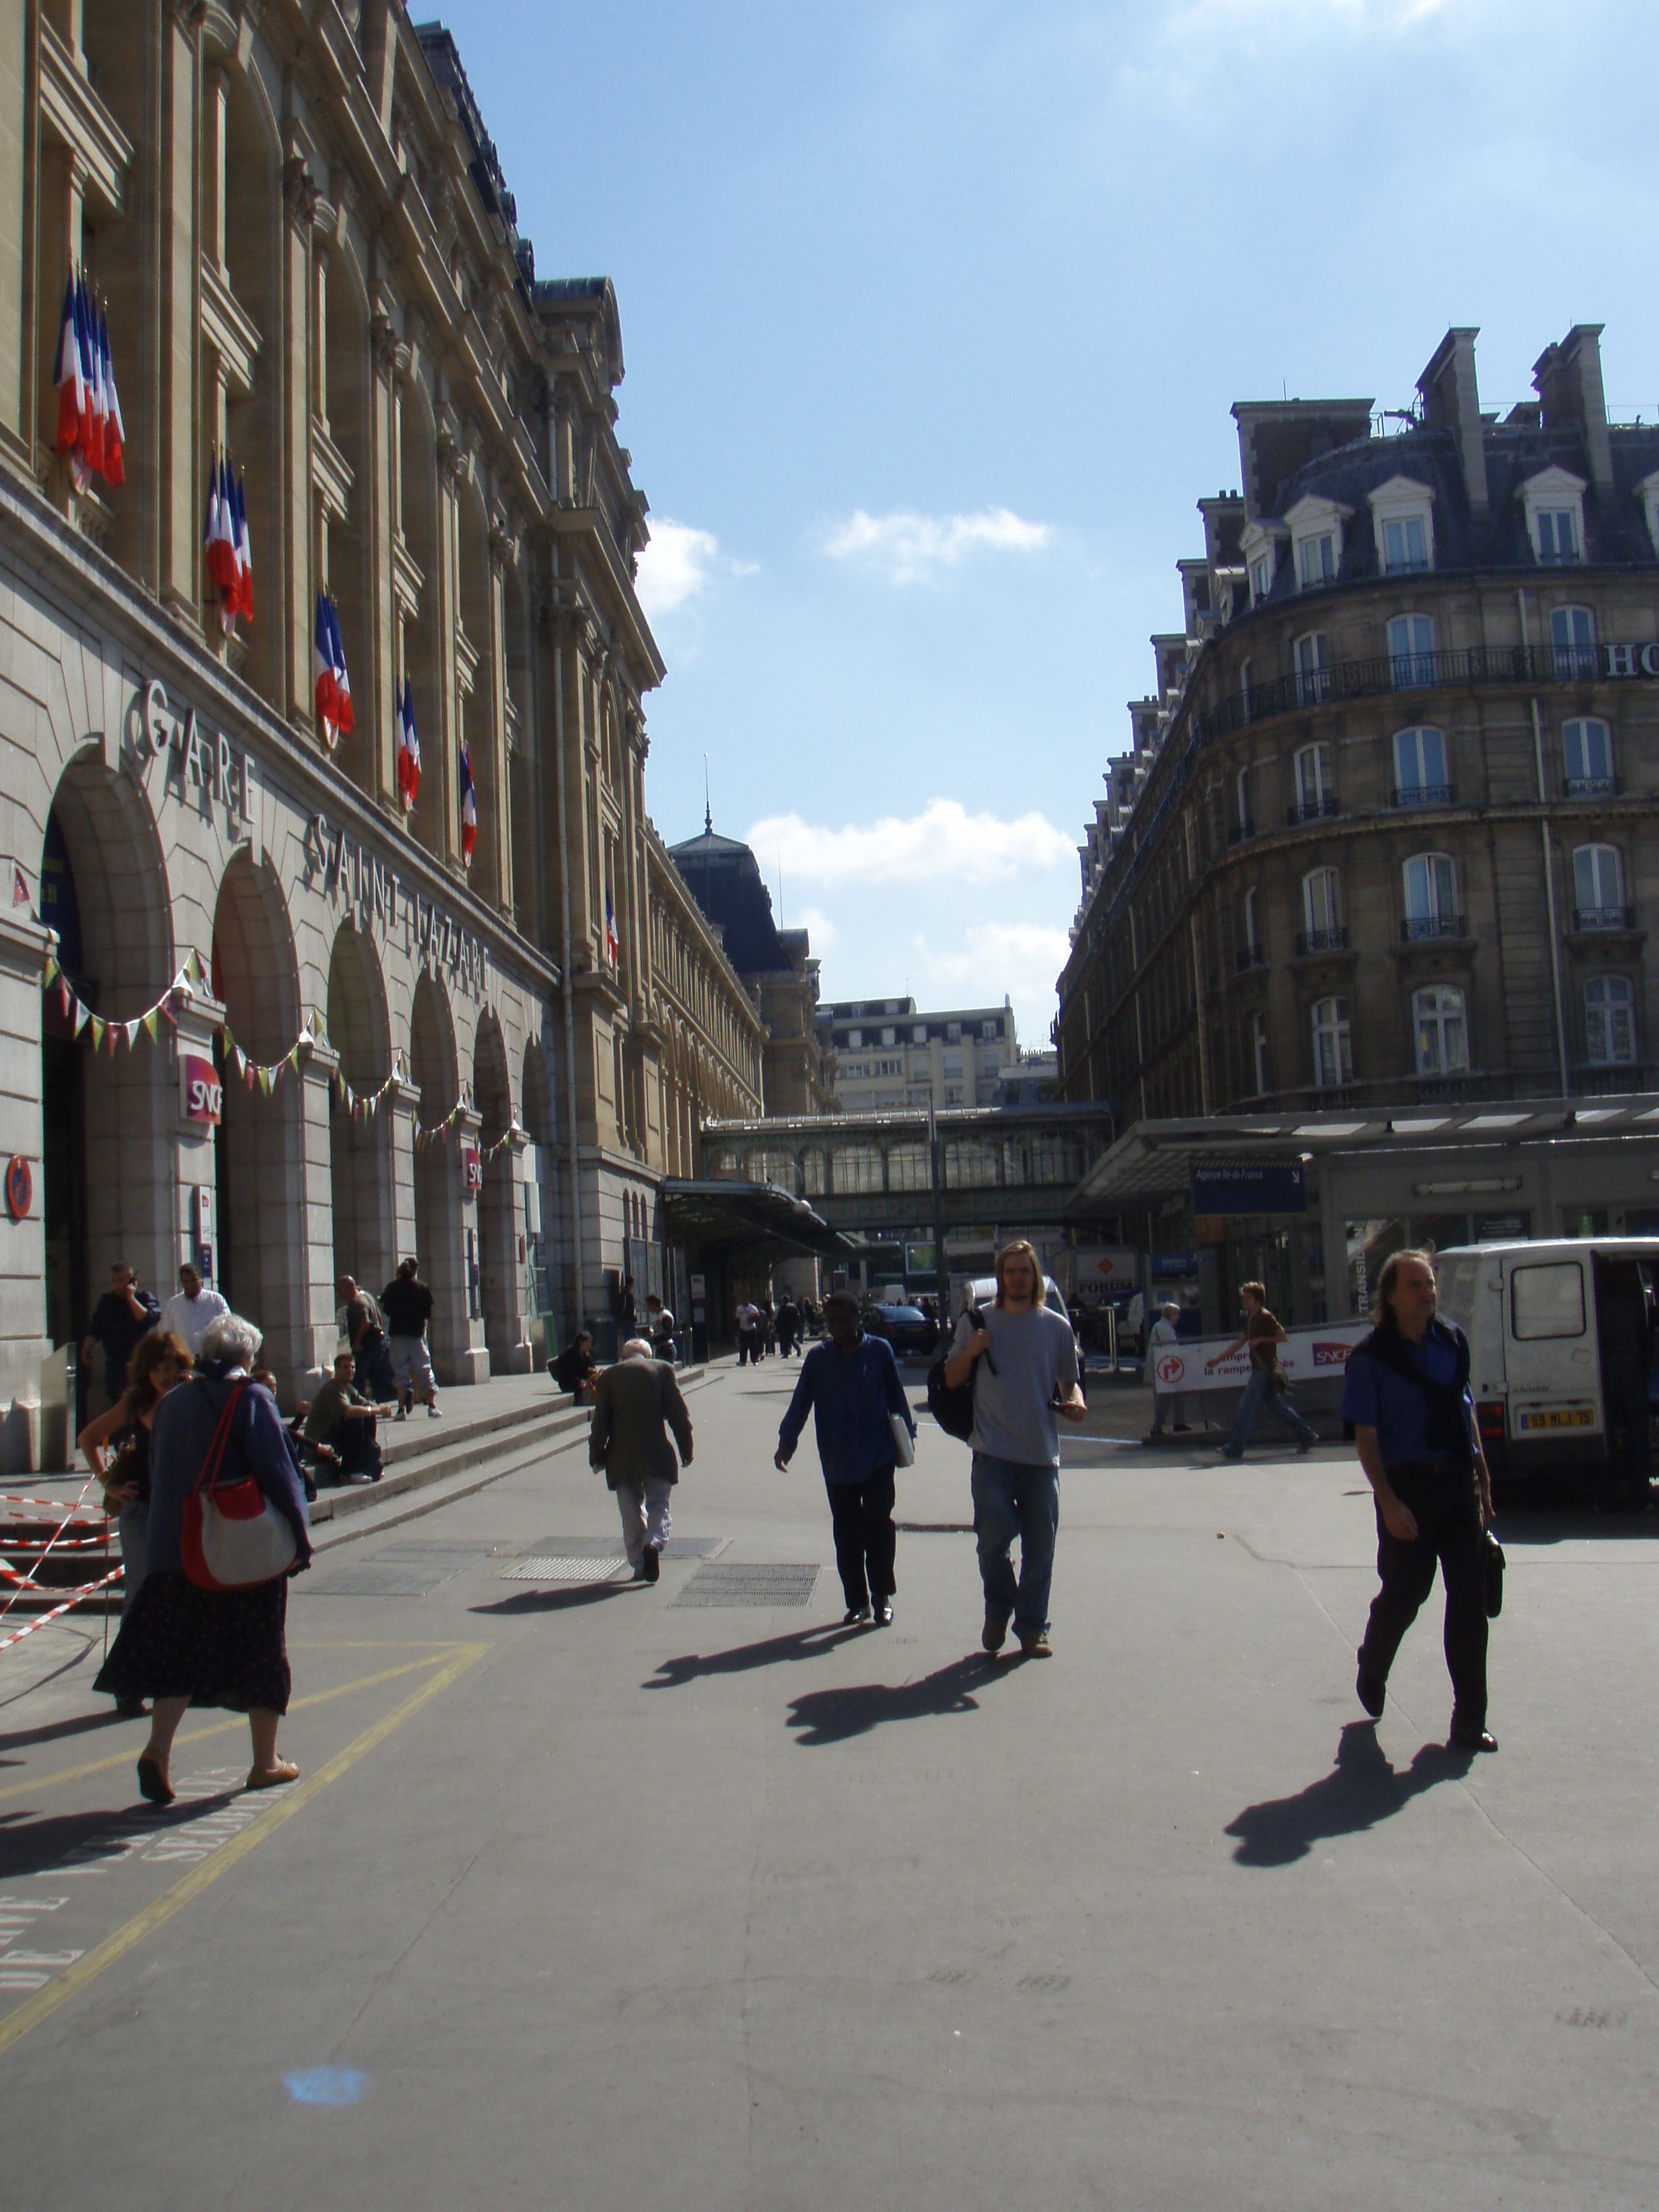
[115,436]
[409,749]
[244,551]
[613,942]
[93,367]
[66,376]
[345,718]
[468,806]
[327,683]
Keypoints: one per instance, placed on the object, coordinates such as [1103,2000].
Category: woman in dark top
[575,1369]
[158,1360]
[182,1645]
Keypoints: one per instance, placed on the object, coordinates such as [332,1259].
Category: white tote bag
[904,1448]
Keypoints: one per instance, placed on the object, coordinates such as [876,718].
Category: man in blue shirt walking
[1406,1393]
[851,1385]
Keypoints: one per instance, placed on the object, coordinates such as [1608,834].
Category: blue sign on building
[1279,1187]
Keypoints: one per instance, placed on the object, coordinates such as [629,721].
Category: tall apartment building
[1384,837]
[284,1017]
[888,1055]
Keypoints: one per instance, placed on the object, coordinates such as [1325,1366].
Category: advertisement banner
[1309,1355]
[1101,1271]
[1279,1187]
[201,1094]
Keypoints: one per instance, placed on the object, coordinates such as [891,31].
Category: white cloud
[944,841]
[679,563]
[823,932]
[915,548]
[994,959]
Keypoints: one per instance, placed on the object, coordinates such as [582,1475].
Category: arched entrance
[110,1134]
[497,1230]
[264,1219]
[440,1245]
[361,1160]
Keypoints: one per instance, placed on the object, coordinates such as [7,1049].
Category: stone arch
[104,889]
[440,1243]
[497,1228]
[264,1211]
[361,1154]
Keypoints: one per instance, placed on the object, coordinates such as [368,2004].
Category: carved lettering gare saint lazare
[227,775]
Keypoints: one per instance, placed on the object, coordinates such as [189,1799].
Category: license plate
[1533,1417]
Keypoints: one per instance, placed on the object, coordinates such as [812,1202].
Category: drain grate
[587,1548]
[555,1567]
[741,1583]
[380,1582]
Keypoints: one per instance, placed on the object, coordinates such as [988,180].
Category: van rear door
[1551,1361]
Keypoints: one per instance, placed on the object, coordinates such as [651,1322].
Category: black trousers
[748,1348]
[1449,1534]
[866,1539]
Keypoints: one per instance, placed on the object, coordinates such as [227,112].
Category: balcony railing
[1308,941]
[1416,927]
[1248,957]
[1312,810]
[1239,832]
[1591,786]
[1424,794]
[1604,917]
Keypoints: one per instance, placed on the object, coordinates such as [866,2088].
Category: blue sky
[934,314]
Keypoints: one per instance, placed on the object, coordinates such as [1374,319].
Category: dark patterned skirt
[214,1647]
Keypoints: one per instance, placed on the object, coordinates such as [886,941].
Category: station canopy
[722,1218]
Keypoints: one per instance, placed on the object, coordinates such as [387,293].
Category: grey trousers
[646,1518]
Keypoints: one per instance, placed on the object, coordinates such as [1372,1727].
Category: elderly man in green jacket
[638,1402]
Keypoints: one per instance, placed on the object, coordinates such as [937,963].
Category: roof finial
[707,811]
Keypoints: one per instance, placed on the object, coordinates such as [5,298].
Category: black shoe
[651,1563]
[130,1709]
[1372,1690]
[153,1783]
[1472,1738]
[884,1612]
[996,1633]
[854,1615]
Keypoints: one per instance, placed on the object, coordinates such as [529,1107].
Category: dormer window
[1316,561]
[1402,517]
[1316,527]
[1260,545]
[1261,577]
[1648,492]
[1554,501]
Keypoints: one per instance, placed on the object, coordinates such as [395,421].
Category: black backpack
[953,1409]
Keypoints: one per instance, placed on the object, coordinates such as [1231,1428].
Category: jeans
[372,1373]
[133,1528]
[1260,1391]
[1449,1534]
[646,1518]
[1015,1498]
[866,1539]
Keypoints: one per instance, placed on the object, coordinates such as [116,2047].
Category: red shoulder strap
[216,1450]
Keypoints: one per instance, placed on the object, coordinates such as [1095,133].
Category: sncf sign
[201,1094]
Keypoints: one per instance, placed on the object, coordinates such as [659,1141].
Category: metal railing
[1417,925]
[1324,809]
[1604,917]
[1310,941]
[1239,832]
[1426,794]
[1248,957]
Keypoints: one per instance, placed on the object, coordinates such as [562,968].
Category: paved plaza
[595,1896]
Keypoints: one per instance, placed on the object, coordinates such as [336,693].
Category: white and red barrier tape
[28,1582]
[74,1599]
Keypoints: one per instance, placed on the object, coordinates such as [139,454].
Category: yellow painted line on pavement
[223,1728]
[292,1800]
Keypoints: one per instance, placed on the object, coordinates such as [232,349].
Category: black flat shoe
[884,1612]
[651,1563]
[1372,1693]
[854,1615]
[1468,1739]
[153,1783]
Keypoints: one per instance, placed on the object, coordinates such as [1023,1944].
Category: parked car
[906,1328]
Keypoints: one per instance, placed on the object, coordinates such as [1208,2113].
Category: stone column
[381,524]
[177,433]
[500,1214]
[292,607]
[312,1243]
[24,1348]
[497,792]
[442,598]
[403,1103]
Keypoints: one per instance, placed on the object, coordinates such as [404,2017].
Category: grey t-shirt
[1014,1416]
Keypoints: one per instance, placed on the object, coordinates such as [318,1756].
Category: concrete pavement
[590,1897]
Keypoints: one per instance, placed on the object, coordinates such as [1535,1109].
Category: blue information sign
[1280,1188]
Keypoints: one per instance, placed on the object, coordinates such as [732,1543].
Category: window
[1241,805]
[953,1063]
[1313,668]
[1252,939]
[1332,1044]
[854,1169]
[989,1029]
[1554,501]
[908,1167]
[1609,1022]
[1403,512]
[854,1039]
[1548,1301]
[919,1034]
[1321,911]
[1411,652]
[1440,1031]
[1587,749]
[1261,576]
[1316,561]
[1259,1054]
[1419,768]
[1405,544]
[1315,791]
[1598,887]
[1556,540]
[1572,641]
[953,1033]
[890,1036]
[1432,896]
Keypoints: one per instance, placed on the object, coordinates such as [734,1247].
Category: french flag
[409,749]
[115,436]
[69,375]
[327,682]
[345,718]
[613,942]
[219,534]
[468,806]
[243,549]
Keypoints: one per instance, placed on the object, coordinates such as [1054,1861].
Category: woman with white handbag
[227,1527]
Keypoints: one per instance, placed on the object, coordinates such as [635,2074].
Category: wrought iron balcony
[1604,917]
[1312,810]
[1310,941]
[1591,786]
[1424,794]
[1417,925]
[1239,832]
[1248,957]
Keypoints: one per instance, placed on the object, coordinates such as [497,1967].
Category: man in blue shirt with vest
[852,1386]
[1406,1393]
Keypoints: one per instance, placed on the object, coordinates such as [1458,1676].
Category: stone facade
[888,1056]
[310,259]
[1385,838]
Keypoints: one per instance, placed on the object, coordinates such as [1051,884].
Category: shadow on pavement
[771,1651]
[1360,1791]
[558,1601]
[1576,1524]
[16,1739]
[30,1846]
[834,1716]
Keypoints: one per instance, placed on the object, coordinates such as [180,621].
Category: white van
[1533,1315]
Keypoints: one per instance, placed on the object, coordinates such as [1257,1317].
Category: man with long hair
[1023,1358]
[1406,1393]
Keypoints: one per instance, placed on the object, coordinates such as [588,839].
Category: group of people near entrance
[785,1328]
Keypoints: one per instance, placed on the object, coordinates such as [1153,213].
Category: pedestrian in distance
[638,1402]
[749,1337]
[121,1316]
[182,1645]
[158,1362]
[1021,1357]
[1268,1384]
[362,1325]
[659,1327]
[407,1305]
[1166,1333]
[1406,1392]
[788,1327]
[576,1369]
[191,1307]
[850,1383]
[341,1424]
[627,1315]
